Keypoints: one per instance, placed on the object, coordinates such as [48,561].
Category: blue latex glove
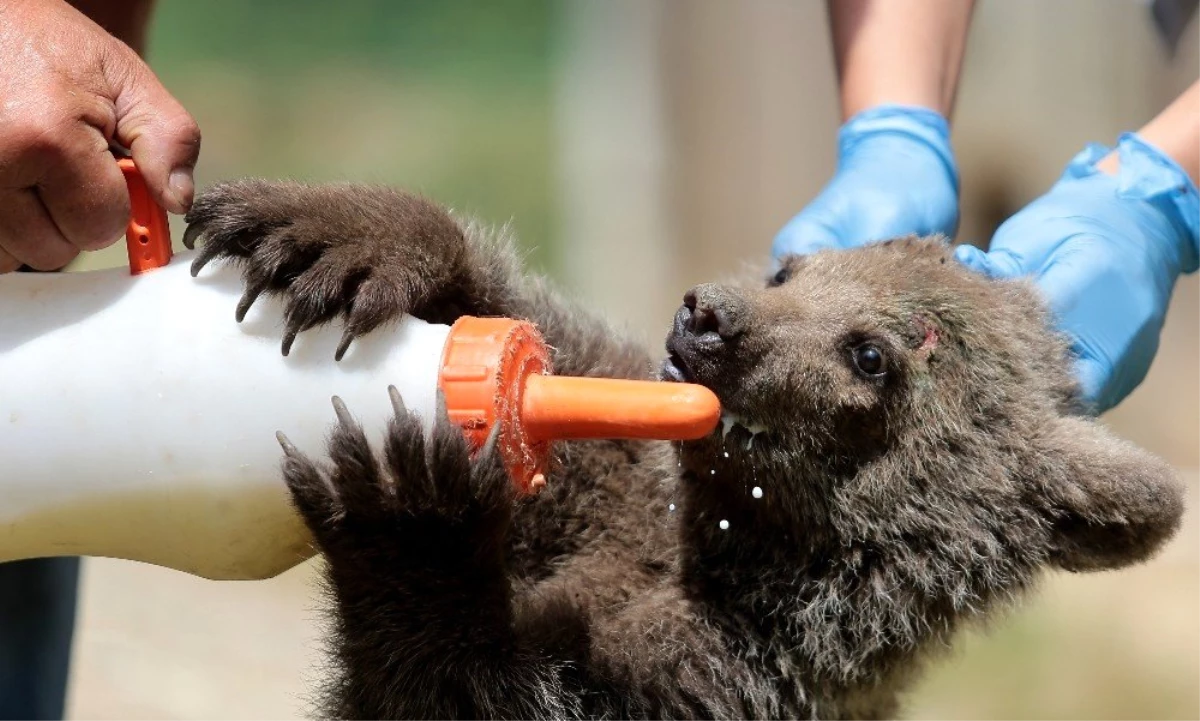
[1105,251]
[896,176]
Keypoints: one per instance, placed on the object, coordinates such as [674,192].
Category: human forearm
[1175,132]
[907,52]
[898,63]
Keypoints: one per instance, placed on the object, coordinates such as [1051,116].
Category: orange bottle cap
[484,366]
[148,236]
[496,370]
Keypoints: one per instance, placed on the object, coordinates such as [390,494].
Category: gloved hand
[1105,252]
[896,175]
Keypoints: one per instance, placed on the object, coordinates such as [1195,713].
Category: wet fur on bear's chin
[895,507]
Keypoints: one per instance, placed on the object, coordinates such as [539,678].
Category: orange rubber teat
[496,370]
[148,236]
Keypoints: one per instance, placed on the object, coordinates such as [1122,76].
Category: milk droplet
[756,492]
[727,423]
[726,454]
[712,472]
[671,508]
[724,525]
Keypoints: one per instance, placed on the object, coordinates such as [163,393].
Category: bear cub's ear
[1110,504]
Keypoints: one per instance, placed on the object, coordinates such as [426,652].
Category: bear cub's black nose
[710,309]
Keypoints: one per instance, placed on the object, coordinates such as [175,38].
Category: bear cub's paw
[425,503]
[366,253]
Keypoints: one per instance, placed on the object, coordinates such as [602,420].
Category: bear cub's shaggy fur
[912,428]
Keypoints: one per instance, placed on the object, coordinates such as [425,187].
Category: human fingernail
[180,188]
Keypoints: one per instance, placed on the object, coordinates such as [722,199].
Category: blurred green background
[638,147]
[447,97]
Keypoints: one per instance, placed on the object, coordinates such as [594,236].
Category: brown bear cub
[901,452]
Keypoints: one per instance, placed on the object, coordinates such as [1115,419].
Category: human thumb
[162,137]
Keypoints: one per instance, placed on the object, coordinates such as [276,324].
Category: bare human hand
[68,91]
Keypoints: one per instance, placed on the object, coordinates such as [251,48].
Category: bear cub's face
[835,355]
[887,396]
[821,356]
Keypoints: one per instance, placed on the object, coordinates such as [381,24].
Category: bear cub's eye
[870,360]
[780,278]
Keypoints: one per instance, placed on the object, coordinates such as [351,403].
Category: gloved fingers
[802,236]
[974,259]
[1112,315]
[829,224]
[1060,285]
[999,263]
[1112,361]
[1004,263]
[1093,376]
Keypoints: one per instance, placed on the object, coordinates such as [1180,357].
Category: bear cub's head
[894,418]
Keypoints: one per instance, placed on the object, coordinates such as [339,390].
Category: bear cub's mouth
[698,354]
[675,369]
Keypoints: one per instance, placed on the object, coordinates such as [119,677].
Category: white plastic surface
[138,419]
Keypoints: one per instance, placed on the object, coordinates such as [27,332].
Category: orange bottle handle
[148,236]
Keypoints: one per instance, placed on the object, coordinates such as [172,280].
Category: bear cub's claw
[313,246]
[424,496]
